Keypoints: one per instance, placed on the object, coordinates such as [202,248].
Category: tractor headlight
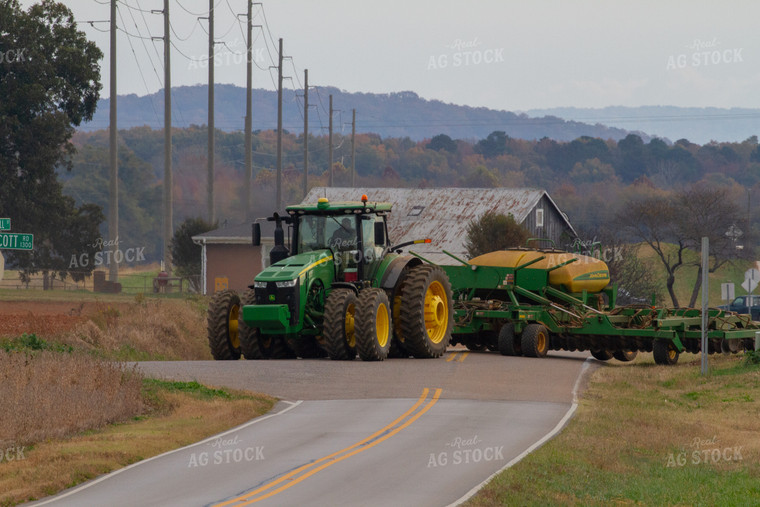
[259,285]
[289,283]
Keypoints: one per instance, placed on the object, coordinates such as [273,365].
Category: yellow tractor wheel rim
[232,326]
[382,325]
[349,325]
[671,352]
[541,342]
[436,312]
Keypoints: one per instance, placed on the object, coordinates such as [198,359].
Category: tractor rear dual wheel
[339,329]
[374,326]
[427,313]
[222,325]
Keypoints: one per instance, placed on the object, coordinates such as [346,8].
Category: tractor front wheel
[535,340]
[339,328]
[223,325]
[427,312]
[373,325]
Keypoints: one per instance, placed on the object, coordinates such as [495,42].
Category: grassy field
[649,435]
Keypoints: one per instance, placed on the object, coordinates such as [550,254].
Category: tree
[186,255]
[493,145]
[632,152]
[671,225]
[494,231]
[49,86]
[442,142]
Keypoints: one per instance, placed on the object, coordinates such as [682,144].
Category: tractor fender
[392,274]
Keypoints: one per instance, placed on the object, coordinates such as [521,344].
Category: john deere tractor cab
[339,287]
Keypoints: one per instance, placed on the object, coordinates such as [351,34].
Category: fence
[135,283]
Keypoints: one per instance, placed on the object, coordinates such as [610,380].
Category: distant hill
[402,114]
[699,125]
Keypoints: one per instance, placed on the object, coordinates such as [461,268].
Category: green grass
[194,388]
[31,343]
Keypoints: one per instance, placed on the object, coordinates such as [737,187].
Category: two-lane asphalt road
[400,432]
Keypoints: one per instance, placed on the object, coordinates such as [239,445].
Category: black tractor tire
[534,341]
[601,354]
[250,342]
[665,353]
[427,311]
[339,329]
[374,327]
[625,356]
[222,325]
[509,344]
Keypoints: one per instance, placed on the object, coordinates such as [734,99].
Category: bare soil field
[48,318]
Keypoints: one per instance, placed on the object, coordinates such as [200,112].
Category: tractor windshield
[337,233]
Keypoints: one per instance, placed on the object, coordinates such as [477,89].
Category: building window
[539,217]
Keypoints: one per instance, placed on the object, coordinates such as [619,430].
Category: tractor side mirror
[379,233]
[256,234]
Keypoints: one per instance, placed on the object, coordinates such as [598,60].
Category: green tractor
[341,289]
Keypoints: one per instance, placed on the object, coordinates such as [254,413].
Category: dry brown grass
[51,466]
[149,329]
[50,395]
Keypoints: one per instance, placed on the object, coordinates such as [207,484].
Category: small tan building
[228,258]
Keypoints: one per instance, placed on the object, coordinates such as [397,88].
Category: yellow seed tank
[586,273]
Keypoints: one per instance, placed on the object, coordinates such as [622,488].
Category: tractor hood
[295,266]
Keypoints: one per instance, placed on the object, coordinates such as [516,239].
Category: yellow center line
[451,357]
[338,456]
[464,355]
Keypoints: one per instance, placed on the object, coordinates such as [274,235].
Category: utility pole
[279,131]
[248,117]
[113,188]
[330,145]
[305,132]
[210,185]
[353,148]
[168,184]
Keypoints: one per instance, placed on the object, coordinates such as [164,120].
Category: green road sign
[16,241]
[5,224]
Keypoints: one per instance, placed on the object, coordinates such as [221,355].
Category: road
[400,432]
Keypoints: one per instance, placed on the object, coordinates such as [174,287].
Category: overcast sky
[511,55]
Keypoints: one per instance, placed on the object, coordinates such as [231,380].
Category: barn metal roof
[441,213]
